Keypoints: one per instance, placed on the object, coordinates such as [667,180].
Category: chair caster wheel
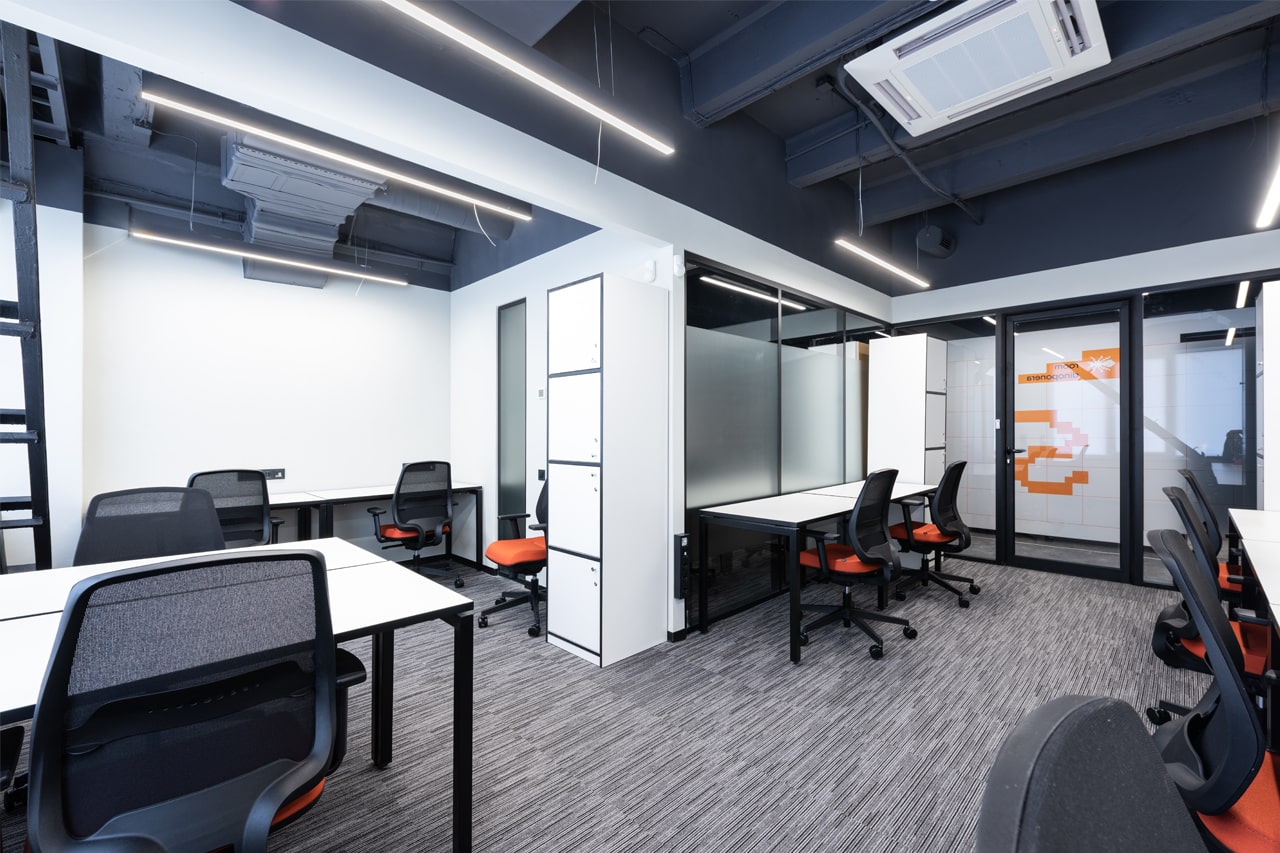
[877,652]
[459,583]
[804,638]
[483,622]
[899,595]
[1158,716]
[964,602]
[909,633]
[534,630]
[974,589]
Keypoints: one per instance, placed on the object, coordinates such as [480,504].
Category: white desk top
[363,598]
[1256,524]
[852,490]
[287,499]
[25,593]
[356,493]
[792,509]
[1264,557]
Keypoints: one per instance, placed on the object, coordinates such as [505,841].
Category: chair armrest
[377,512]
[912,500]
[505,516]
[1243,580]
[537,527]
[275,529]
[1248,617]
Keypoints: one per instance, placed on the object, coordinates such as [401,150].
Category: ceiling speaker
[932,240]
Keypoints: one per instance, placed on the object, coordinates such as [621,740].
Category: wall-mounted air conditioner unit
[978,55]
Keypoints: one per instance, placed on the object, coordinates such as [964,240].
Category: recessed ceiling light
[737,288]
[270,259]
[329,154]
[500,59]
[863,253]
[1243,295]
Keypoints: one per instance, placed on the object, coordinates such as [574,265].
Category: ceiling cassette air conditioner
[980,54]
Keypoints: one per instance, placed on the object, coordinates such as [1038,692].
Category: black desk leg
[326,520]
[479,493]
[384,666]
[463,693]
[304,523]
[793,579]
[704,574]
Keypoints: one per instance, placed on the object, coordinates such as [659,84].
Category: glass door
[1066,449]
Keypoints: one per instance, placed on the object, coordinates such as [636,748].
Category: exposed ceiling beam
[781,44]
[1230,95]
[1135,37]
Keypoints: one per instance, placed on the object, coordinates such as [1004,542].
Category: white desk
[368,597]
[1256,524]
[786,516]
[1259,534]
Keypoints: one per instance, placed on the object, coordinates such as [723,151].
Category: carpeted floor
[719,743]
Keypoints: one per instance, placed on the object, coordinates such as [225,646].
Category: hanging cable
[195,165]
[840,86]
[476,211]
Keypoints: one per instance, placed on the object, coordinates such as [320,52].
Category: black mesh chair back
[1213,752]
[243,505]
[1197,533]
[163,521]
[423,498]
[1082,773]
[185,703]
[1213,533]
[943,507]
[869,523]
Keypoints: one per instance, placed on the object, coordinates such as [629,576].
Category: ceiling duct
[979,55]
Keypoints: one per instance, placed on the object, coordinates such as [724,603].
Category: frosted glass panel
[731,411]
[855,411]
[971,436]
[812,418]
[511,409]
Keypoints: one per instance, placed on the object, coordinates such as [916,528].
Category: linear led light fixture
[500,59]
[1243,296]
[863,253]
[1267,215]
[1231,335]
[328,154]
[270,259]
[990,319]
[737,288]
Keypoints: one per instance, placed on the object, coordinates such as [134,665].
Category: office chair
[1217,754]
[243,505]
[1228,575]
[1082,773]
[871,557]
[520,559]
[1176,639]
[947,533]
[146,738]
[421,514]
[161,521]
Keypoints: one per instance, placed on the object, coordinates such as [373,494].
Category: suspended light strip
[1231,335]
[426,186]
[1243,296]
[1267,215]
[270,259]
[883,334]
[991,320]
[737,288]
[500,59]
[863,253]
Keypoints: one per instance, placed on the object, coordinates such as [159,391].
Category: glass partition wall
[775,392]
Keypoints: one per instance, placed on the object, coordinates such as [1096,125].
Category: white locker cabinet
[573,417]
[573,329]
[609,548]
[574,608]
[577,486]
[907,407]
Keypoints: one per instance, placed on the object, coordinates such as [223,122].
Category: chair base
[926,575]
[514,598]
[854,616]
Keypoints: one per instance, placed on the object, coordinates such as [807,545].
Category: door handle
[1013,451]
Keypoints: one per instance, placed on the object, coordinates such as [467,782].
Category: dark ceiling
[1166,144]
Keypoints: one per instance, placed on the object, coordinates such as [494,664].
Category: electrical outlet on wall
[273,473]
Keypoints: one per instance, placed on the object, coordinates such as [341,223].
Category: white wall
[59,234]
[189,366]
[474,324]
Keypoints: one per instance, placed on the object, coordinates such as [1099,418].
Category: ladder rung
[16,330]
[13,416]
[14,502]
[8,309]
[27,437]
[19,523]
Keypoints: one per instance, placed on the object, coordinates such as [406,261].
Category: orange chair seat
[840,558]
[1253,823]
[390,531]
[511,552]
[1224,569]
[925,534]
[1253,640]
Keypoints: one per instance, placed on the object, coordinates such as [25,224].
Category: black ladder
[21,318]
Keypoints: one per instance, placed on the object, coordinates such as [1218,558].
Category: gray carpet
[719,743]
